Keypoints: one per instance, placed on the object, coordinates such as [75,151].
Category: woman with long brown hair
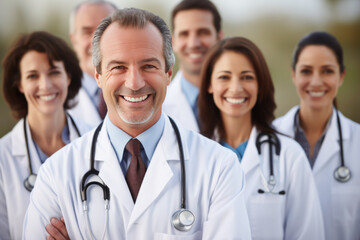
[236,107]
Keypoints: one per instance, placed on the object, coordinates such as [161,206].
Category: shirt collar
[190,90]
[90,85]
[239,150]
[149,138]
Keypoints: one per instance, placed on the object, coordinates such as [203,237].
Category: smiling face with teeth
[317,77]
[194,33]
[234,85]
[133,78]
[45,87]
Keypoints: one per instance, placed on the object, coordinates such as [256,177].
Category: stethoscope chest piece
[342,174]
[29,182]
[183,220]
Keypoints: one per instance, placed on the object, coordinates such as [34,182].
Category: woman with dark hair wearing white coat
[330,140]
[236,106]
[41,75]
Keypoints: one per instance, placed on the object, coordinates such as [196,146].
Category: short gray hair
[87,2]
[133,17]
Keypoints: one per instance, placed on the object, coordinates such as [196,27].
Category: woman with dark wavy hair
[41,76]
[236,108]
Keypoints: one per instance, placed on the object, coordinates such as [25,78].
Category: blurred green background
[275,26]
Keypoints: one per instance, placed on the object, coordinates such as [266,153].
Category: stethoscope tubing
[342,178]
[27,148]
[182,165]
[341,139]
[178,216]
[273,141]
[27,184]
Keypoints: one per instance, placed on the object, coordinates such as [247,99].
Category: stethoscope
[182,219]
[342,173]
[29,182]
[273,141]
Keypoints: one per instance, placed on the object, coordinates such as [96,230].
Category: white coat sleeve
[303,215]
[228,218]
[4,222]
[42,207]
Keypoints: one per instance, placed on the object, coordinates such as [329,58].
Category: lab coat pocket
[346,207]
[266,216]
[164,236]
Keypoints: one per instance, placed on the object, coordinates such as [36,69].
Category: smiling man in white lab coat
[133,58]
[196,28]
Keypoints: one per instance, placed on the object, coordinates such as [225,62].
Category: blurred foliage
[276,36]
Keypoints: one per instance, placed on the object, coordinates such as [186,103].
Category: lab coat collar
[169,141]
[346,130]
[18,138]
[72,130]
[175,99]
[251,157]
[287,122]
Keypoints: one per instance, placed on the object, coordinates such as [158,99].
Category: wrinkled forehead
[131,41]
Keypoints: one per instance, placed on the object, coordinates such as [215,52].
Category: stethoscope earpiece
[29,182]
[342,174]
[183,220]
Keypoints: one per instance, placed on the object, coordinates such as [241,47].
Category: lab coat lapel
[251,158]
[72,130]
[330,145]
[18,139]
[287,122]
[177,98]
[158,173]
[18,147]
[110,171]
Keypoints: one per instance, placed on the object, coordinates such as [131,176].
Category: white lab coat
[295,215]
[215,184]
[340,201]
[14,169]
[85,110]
[176,105]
